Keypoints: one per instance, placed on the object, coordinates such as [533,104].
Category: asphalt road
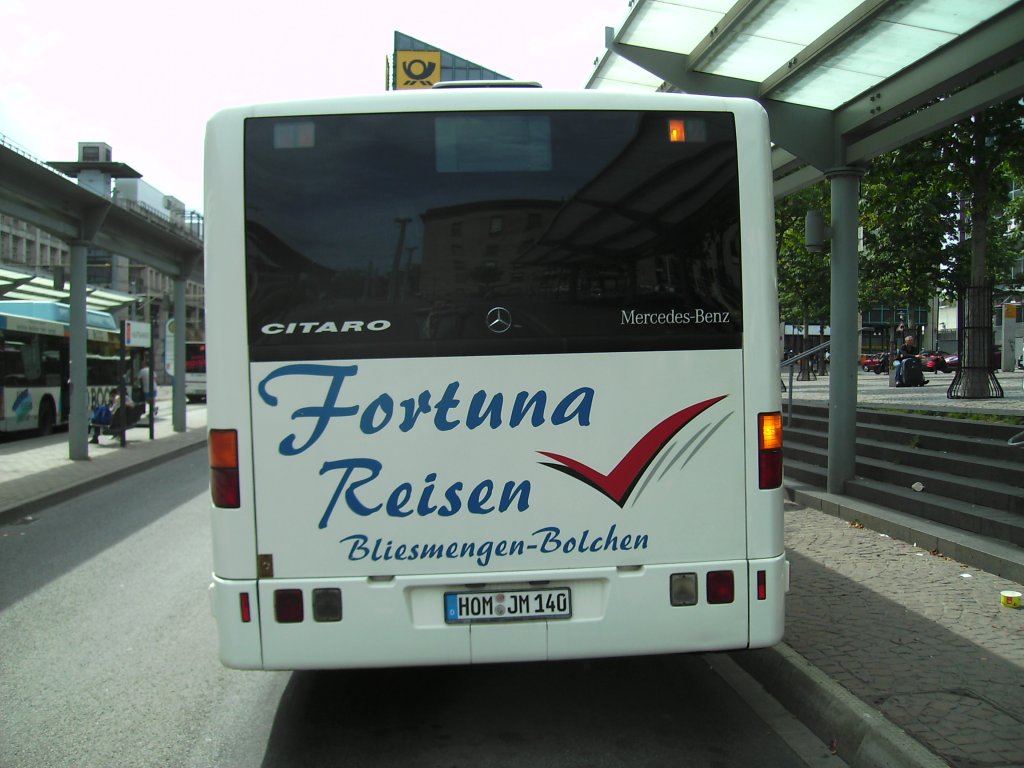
[108,658]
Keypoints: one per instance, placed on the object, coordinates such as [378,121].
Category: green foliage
[984,153]
[804,278]
[908,213]
[935,213]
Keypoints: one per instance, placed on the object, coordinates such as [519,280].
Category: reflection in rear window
[424,234]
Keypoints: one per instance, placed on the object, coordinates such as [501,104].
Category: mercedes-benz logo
[499,320]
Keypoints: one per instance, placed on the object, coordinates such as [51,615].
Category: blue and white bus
[495,378]
[35,363]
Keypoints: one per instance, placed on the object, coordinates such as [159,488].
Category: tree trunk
[975,357]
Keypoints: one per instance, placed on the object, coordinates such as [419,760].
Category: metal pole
[178,391]
[122,412]
[842,387]
[152,364]
[78,428]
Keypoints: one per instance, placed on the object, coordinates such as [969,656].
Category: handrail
[791,362]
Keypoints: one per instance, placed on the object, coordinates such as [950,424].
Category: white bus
[35,368]
[496,378]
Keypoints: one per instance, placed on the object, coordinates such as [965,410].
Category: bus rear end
[510,379]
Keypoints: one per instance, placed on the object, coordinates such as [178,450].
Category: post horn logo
[419,72]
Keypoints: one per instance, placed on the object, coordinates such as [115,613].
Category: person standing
[148,388]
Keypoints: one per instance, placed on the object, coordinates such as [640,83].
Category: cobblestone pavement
[920,637]
[874,391]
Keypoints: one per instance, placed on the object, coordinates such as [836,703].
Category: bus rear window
[477,233]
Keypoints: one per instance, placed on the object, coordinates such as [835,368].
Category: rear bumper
[401,621]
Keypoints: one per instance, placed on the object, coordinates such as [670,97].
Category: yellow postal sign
[417,69]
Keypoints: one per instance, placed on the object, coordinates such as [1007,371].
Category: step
[971,479]
[975,490]
[974,428]
[953,477]
[805,472]
[948,441]
[918,427]
[984,521]
[989,554]
[948,465]
[955,513]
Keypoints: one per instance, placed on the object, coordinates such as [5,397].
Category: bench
[113,427]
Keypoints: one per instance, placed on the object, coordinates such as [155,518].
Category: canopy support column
[178,389]
[842,381]
[78,392]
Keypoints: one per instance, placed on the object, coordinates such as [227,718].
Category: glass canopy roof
[15,284]
[810,52]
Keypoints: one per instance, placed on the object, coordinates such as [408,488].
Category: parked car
[878,363]
[933,362]
[867,362]
[953,361]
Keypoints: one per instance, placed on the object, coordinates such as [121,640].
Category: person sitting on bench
[102,416]
[106,420]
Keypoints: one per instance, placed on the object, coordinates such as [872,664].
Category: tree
[936,216]
[984,152]
[935,219]
[908,215]
[804,277]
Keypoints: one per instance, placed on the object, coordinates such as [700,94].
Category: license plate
[514,605]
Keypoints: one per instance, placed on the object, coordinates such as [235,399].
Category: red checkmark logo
[619,483]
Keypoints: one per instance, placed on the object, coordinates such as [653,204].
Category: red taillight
[243,604]
[762,585]
[721,587]
[769,450]
[288,606]
[224,487]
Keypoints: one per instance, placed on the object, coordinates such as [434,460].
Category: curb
[858,733]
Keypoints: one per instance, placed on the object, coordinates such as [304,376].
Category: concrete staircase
[970,479]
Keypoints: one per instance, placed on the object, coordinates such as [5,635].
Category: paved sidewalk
[918,639]
[874,391]
[917,635]
[36,471]
[893,655]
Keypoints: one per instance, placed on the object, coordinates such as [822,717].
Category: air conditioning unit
[94,152]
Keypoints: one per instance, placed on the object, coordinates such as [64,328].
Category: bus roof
[57,313]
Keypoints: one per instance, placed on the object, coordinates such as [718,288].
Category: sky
[144,77]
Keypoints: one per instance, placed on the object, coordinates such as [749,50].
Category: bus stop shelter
[842,82]
[44,198]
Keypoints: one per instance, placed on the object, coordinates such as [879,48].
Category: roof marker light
[676,131]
